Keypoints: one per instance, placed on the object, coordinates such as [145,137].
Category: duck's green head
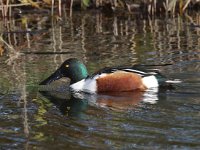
[71,68]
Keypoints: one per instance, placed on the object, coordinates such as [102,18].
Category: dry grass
[147,6]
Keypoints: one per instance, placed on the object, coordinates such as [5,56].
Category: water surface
[56,118]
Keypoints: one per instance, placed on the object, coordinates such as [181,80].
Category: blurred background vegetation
[9,7]
[21,19]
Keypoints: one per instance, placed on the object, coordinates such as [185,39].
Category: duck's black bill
[55,76]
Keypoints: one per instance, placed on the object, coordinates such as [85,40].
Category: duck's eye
[67,66]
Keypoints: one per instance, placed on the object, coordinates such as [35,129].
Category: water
[58,119]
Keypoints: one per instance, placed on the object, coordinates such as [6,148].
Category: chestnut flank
[120,81]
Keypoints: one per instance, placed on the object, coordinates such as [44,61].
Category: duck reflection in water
[72,106]
[76,104]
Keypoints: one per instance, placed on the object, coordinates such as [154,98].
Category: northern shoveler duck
[117,79]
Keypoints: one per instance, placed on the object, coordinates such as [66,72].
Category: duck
[109,79]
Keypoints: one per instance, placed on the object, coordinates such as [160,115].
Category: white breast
[86,85]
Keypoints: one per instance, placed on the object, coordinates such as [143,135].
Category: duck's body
[115,81]
[118,79]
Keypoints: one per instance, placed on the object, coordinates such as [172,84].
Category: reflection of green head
[77,107]
[71,68]
[72,106]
